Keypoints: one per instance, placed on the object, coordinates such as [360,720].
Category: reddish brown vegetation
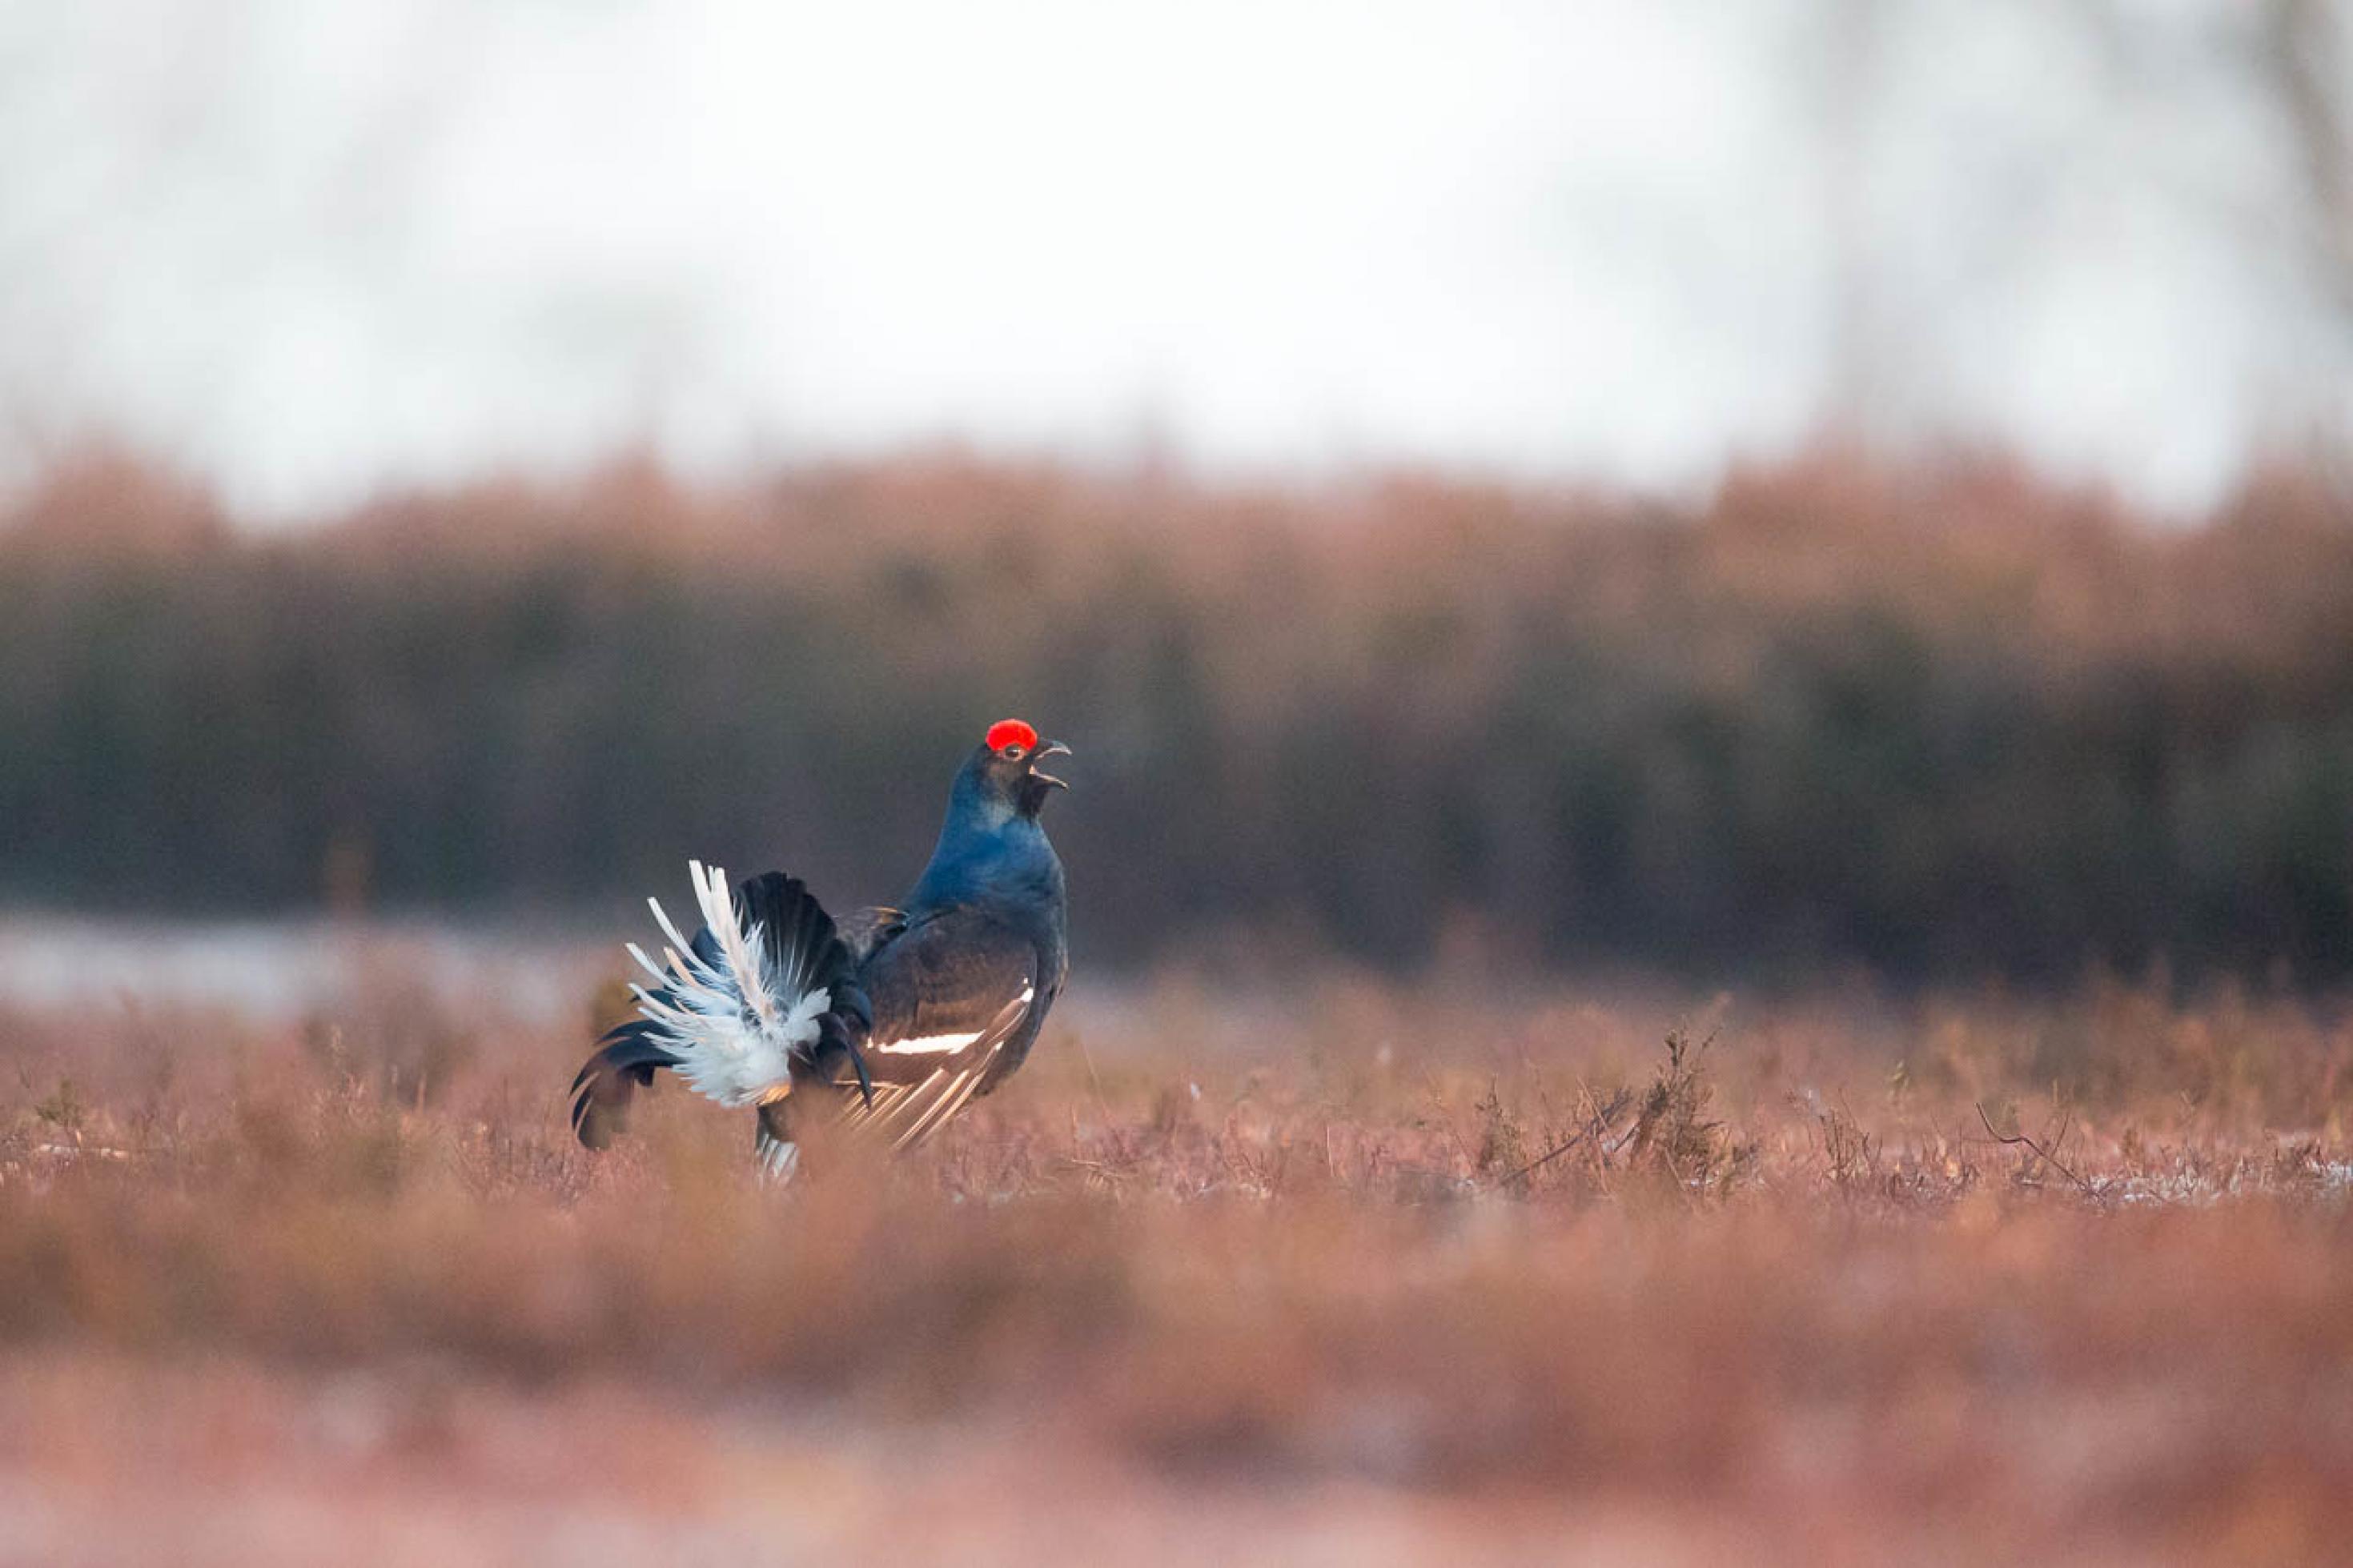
[1431,1273]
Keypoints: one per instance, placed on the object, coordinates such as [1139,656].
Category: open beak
[1051,749]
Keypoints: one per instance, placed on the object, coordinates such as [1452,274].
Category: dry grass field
[1346,1272]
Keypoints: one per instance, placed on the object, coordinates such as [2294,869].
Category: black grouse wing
[947,994]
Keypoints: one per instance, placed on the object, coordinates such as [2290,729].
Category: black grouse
[890,1031]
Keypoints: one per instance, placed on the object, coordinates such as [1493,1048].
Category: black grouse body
[888,1030]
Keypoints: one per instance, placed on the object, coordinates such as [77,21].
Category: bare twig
[2045,1155]
[1601,1120]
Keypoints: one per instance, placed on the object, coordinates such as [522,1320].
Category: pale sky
[313,249]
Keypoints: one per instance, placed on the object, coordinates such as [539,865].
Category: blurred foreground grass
[1354,1273]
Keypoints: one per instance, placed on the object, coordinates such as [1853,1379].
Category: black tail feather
[837,1046]
[803,950]
[625,1061]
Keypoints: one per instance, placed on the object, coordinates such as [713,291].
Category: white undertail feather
[734,1033]
[744,957]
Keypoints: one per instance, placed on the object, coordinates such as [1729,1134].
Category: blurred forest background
[1936,719]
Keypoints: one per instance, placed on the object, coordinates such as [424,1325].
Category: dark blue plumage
[932,1004]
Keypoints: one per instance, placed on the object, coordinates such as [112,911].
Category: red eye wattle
[1008,732]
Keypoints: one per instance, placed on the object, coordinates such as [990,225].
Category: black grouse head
[1004,769]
